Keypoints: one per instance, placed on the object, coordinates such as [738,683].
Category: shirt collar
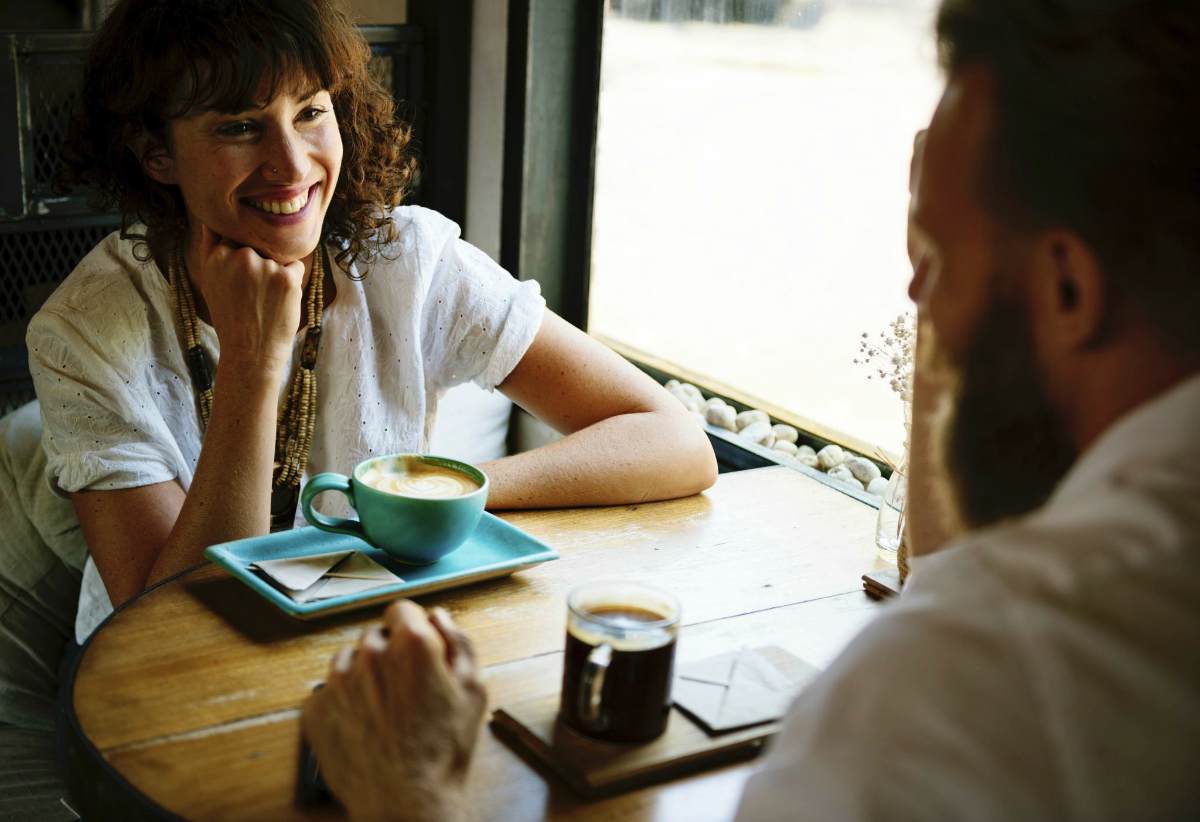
[1164,427]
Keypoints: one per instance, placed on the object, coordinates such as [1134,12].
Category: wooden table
[186,700]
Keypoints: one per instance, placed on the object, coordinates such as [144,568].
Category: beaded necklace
[298,413]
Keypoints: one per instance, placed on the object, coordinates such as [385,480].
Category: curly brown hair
[156,60]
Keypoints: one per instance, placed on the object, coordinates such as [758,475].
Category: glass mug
[619,661]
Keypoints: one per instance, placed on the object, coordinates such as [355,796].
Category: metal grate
[53,93]
[33,261]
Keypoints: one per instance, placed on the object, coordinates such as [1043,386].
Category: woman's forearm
[633,457]
[230,495]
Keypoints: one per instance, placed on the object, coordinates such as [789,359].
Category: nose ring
[274,170]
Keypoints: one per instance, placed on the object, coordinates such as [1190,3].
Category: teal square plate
[496,549]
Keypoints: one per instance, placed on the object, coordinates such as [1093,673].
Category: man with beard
[1044,659]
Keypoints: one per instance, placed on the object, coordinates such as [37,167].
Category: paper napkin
[733,690]
[323,576]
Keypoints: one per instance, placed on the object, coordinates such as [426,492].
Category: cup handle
[591,687]
[331,481]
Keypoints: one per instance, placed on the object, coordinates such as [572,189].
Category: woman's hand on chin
[253,301]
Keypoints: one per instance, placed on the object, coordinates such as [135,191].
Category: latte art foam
[419,479]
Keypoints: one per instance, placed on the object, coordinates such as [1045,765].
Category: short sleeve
[101,428]
[478,320]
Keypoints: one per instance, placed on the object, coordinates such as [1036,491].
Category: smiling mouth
[290,206]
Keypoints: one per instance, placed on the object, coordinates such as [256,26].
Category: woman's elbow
[697,467]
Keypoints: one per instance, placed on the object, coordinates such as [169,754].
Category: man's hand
[396,724]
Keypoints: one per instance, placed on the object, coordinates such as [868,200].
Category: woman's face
[262,178]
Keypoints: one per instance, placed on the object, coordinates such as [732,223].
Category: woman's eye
[312,113]
[238,129]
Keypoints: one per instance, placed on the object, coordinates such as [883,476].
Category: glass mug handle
[591,687]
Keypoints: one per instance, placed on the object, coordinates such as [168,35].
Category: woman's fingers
[208,240]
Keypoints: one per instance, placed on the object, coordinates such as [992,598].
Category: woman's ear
[155,160]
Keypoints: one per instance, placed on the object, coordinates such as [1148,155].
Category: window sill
[737,454]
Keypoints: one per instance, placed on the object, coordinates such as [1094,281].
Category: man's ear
[155,160]
[1070,293]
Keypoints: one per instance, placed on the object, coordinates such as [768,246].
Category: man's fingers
[341,660]
[372,639]
[411,630]
[460,654]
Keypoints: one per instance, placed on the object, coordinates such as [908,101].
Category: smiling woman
[262,178]
[259,173]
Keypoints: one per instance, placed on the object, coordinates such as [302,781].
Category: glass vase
[889,527]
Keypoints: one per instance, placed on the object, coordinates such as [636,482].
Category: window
[750,194]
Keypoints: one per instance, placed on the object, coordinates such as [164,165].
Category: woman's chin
[283,253]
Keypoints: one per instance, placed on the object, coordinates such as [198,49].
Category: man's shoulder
[1134,529]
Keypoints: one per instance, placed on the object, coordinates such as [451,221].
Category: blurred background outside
[751,191]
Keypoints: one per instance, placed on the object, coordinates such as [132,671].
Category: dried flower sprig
[891,360]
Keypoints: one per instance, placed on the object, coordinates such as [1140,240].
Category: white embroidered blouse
[117,401]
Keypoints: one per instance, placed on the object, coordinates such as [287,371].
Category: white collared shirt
[1047,668]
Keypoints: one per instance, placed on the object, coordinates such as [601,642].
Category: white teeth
[282,206]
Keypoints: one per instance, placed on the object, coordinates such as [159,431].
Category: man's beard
[1003,447]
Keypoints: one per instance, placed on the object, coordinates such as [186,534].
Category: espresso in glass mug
[619,661]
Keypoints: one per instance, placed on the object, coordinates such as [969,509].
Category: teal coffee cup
[416,507]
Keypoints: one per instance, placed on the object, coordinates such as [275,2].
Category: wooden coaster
[593,768]
[882,584]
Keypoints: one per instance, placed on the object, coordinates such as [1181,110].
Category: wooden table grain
[186,702]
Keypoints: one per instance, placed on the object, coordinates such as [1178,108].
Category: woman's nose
[285,159]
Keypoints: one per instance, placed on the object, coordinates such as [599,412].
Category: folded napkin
[323,576]
[733,690]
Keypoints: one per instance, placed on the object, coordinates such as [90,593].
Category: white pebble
[750,417]
[692,391]
[785,432]
[830,457]
[863,469]
[715,402]
[678,393]
[806,451]
[759,432]
[722,415]
[786,447]
[808,459]
[671,384]
[877,486]
[842,474]
[690,402]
